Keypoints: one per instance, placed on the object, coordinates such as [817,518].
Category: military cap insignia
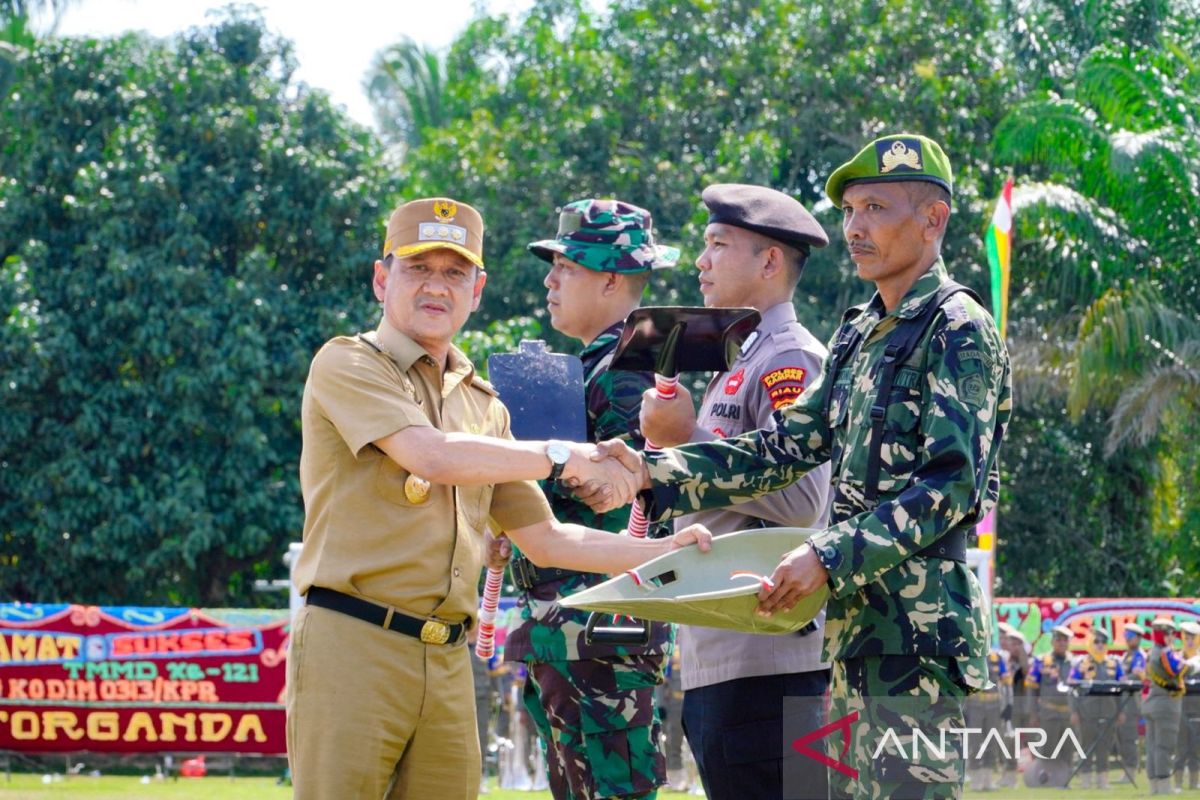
[900,154]
[445,210]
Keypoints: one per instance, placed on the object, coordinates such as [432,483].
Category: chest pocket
[390,479]
[838,413]
[901,437]
[474,505]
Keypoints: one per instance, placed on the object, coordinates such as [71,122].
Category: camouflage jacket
[547,631]
[948,411]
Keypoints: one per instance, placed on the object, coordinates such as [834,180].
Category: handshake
[605,476]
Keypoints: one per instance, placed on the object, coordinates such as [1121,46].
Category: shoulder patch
[734,381]
[784,385]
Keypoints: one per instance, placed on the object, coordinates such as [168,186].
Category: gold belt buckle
[435,632]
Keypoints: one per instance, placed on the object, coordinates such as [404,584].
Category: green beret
[899,157]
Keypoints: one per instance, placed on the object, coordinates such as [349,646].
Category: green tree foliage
[1108,224]
[658,98]
[181,226]
[406,85]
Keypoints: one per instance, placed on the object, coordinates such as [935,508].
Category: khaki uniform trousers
[1162,713]
[376,714]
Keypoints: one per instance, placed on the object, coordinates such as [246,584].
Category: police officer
[1187,750]
[600,261]
[985,711]
[1095,717]
[1051,702]
[755,246]
[1163,706]
[1133,666]
[912,471]
[406,454]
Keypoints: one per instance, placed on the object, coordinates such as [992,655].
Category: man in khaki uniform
[1163,706]
[400,476]
[1187,748]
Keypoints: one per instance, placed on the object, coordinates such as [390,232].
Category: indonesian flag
[999,247]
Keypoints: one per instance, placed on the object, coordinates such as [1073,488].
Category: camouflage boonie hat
[899,157]
[606,236]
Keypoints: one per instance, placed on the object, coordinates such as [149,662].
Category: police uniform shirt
[776,363]
[363,534]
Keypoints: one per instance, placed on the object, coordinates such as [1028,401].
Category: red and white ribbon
[766,582]
[665,389]
[485,643]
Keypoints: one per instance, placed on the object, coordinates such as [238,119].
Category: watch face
[558,452]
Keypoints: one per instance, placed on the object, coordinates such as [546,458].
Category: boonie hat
[430,223]
[898,157]
[606,236]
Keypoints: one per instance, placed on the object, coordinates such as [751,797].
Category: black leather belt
[430,631]
[526,574]
[952,547]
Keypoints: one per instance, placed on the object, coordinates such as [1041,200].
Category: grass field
[31,787]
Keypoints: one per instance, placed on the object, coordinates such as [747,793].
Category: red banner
[135,679]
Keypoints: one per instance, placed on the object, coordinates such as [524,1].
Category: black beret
[766,211]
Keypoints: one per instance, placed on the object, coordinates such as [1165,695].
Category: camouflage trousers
[900,711]
[598,721]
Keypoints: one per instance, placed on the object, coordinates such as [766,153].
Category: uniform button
[457,572]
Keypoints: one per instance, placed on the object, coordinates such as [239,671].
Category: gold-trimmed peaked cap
[433,222]
[897,157]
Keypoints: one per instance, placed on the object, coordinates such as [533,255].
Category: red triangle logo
[801,745]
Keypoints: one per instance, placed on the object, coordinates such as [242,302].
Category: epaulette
[852,313]
[479,383]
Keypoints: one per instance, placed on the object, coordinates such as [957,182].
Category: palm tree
[406,84]
[1109,230]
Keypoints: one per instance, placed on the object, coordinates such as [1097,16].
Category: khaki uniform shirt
[773,368]
[362,535]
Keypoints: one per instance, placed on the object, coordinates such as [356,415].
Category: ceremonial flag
[999,245]
[999,248]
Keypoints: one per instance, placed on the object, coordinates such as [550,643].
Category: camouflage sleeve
[966,389]
[726,472]
[614,404]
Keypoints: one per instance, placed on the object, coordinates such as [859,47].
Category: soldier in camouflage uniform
[1094,716]
[593,703]
[905,620]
